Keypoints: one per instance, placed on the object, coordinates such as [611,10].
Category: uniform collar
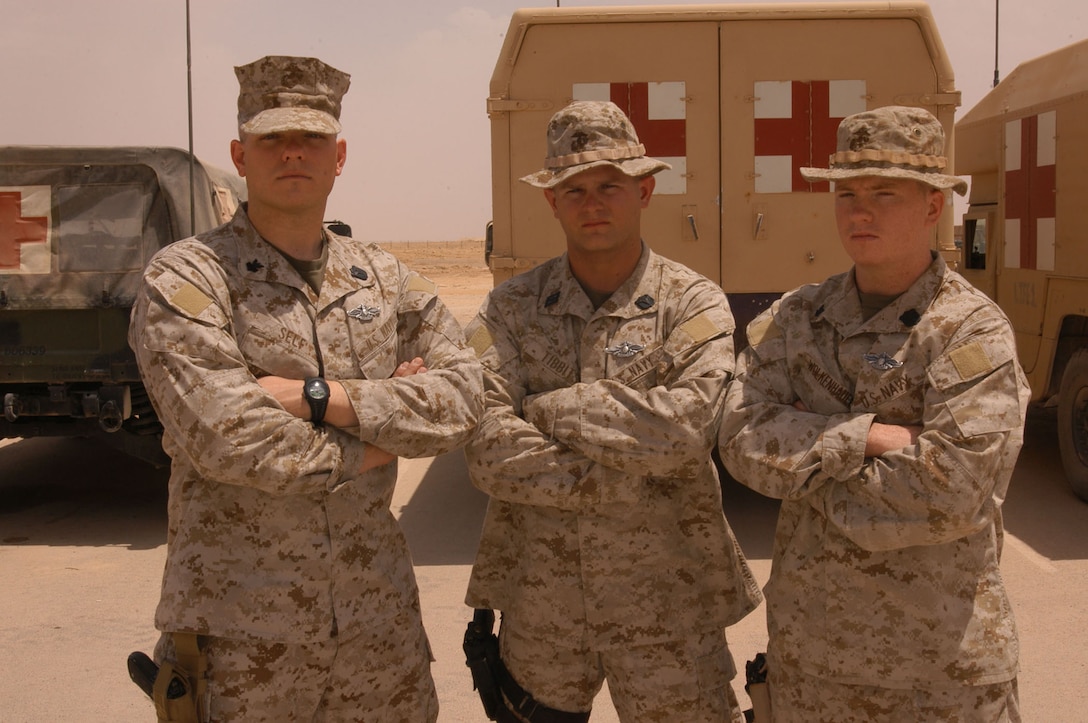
[561,294]
[842,308]
[259,260]
[345,270]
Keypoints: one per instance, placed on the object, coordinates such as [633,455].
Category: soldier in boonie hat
[283,93]
[896,384]
[895,142]
[656,337]
[589,133]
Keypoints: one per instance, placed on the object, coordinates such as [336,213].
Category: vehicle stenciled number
[22,351]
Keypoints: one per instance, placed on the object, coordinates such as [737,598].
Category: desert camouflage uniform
[885,569]
[605,525]
[273,534]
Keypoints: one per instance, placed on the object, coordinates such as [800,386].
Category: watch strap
[319,404]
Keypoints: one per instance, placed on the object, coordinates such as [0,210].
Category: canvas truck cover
[77,227]
[737,98]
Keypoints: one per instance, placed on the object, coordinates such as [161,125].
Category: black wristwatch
[315,391]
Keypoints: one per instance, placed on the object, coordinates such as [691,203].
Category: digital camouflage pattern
[590,133]
[676,680]
[273,534]
[287,682]
[282,92]
[885,569]
[605,524]
[802,698]
[893,142]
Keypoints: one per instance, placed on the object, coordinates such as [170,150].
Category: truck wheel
[1073,422]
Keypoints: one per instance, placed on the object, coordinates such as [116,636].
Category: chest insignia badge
[882,361]
[624,349]
[364,312]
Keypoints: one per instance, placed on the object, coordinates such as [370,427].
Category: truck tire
[1073,422]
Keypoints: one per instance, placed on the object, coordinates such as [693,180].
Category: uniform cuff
[352,453]
[843,449]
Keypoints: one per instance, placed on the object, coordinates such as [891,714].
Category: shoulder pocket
[704,326]
[765,337]
[419,292]
[185,299]
[989,401]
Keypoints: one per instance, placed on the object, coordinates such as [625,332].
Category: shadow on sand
[72,491]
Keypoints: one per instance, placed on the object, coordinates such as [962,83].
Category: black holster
[756,686]
[504,700]
[482,658]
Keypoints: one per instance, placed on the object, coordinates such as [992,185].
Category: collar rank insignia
[364,312]
[359,273]
[882,361]
[552,300]
[624,349]
[644,302]
[254,266]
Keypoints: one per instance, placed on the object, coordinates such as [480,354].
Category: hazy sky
[113,72]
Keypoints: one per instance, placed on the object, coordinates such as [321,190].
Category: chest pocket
[896,396]
[370,322]
[641,371]
[285,350]
[548,366]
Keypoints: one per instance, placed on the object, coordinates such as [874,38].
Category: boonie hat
[895,142]
[590,133]
[283,93]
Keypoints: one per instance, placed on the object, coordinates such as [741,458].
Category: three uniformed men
[604,545]
[290,366]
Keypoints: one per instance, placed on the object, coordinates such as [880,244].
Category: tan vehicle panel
[1026,151]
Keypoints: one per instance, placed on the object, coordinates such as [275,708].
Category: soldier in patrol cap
[286,363]
[604,545]
[885,408]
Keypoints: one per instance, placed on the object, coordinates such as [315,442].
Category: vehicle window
[974,242]
[100,227]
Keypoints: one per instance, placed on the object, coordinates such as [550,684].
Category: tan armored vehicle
[1026,150]
[77,226]
[737,98]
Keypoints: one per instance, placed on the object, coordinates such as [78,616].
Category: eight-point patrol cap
[283,93]
[590,133]
[894,142]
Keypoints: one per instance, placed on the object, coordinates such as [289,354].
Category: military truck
[737,98]
[1026,151]
[77,226]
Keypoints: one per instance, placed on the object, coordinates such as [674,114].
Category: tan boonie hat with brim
[591,133]
[895,142]
[283,93]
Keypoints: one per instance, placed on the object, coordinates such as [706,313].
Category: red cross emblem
[798,121]
[663,137]
[1030,190]
[16,230]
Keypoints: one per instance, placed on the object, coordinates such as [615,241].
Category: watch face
[316,390]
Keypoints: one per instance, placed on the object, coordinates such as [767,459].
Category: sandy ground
[457,267]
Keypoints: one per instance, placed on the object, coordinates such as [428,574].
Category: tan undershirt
[313,271]
[873,304]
